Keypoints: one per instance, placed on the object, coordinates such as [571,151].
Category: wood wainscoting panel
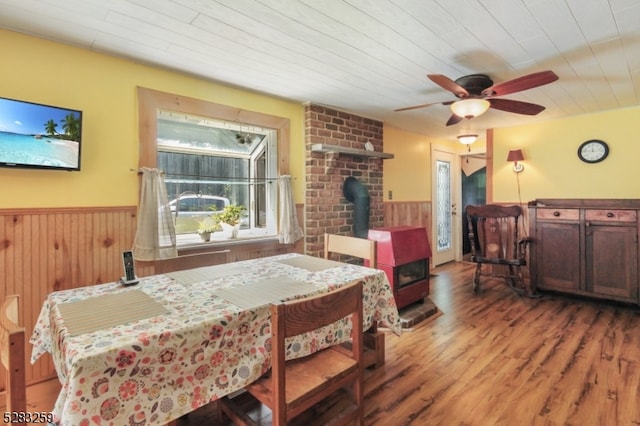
[45,250]
[408,213]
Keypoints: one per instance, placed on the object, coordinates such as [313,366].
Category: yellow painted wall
[552,168]
[104,88]
[408,175]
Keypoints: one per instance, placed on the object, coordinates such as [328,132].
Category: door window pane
[443,185]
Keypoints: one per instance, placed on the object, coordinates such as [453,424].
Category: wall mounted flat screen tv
[39,136]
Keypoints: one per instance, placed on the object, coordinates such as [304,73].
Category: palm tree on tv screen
[71,126]
[50,127]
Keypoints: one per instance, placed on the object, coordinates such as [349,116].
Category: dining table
[150,353]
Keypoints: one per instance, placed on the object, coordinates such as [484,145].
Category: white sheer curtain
[290,230]
[155,234]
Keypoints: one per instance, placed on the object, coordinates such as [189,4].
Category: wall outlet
[390,194]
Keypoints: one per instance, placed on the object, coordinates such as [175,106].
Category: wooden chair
[493,233]
[292,387]
[352,246]
[12,355]
[366,250]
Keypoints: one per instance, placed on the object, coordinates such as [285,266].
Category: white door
[444,242]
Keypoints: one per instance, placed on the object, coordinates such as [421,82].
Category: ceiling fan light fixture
[467,139]
[469,108]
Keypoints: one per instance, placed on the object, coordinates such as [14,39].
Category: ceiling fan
[477,93]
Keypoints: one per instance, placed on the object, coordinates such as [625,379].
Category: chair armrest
[522,246]
[526,240]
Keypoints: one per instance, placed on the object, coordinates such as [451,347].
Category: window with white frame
[209,163]
[178,135]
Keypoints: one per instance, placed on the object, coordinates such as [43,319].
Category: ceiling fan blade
[454,119]
[448,84]
[517,107]
[521,83]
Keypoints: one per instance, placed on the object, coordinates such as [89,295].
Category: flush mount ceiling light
[469,108]
[467,139]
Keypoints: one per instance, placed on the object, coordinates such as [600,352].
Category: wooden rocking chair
[493,233]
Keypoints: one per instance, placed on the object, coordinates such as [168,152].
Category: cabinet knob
[610,214]
[556,213]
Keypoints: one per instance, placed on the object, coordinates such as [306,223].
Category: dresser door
[612,254]
[558,252]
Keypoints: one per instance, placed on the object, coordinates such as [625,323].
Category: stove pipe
[355,192]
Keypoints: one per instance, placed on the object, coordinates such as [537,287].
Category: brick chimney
[326,208]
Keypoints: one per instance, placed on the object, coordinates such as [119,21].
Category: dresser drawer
[602,215]
[558,214]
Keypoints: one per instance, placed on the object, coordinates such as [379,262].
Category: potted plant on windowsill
[230,217]
[207,226]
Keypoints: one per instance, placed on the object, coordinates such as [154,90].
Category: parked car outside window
[187,210]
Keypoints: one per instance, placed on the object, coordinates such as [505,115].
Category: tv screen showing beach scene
[39,136]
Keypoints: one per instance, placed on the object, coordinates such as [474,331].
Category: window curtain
[290,230]
[155,234]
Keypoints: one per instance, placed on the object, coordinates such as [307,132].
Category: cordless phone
[129,269]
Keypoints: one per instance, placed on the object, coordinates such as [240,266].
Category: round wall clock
[593,151]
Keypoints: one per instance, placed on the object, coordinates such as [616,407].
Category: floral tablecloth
[151,371]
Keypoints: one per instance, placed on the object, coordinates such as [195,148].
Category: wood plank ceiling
[367,57]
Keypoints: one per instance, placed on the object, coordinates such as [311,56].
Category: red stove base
[403,253]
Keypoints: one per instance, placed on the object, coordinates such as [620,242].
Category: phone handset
[129,269]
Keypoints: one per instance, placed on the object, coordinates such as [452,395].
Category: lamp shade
[469,108]
[515,155]
[467,139]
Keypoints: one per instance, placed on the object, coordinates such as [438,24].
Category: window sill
[194,244]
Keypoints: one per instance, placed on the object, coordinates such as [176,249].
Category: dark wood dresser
[587,247]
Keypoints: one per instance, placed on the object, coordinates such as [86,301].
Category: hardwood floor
[496,358]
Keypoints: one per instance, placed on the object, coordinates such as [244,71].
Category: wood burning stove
[403,253]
